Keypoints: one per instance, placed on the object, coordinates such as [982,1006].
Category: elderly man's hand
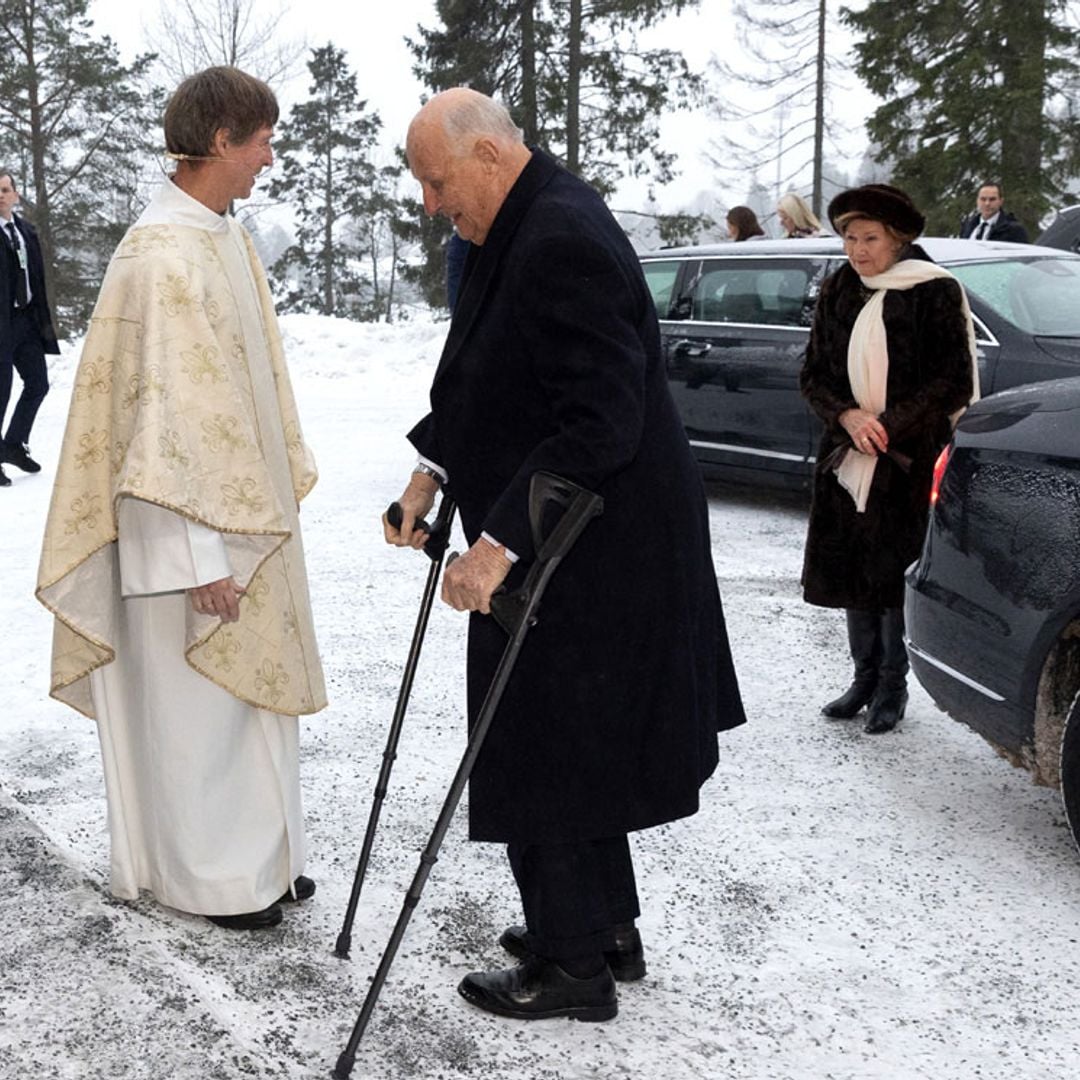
[470,579]
[220,598]
[415,502]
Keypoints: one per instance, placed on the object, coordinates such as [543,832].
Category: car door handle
[691,348]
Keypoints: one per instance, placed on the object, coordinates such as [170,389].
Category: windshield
[1038,296]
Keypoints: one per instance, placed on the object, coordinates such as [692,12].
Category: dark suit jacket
[39,303]
[1005,228]
[553,362]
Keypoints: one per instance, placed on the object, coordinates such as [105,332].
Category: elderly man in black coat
[26,330]
[553,363]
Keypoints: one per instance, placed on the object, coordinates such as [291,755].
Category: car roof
[943,249]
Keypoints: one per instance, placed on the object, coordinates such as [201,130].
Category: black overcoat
[553,363]
[857,560]
[39,302]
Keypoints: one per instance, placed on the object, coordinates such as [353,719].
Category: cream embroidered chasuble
[182,399]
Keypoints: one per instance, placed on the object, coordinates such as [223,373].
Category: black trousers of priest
[574,895]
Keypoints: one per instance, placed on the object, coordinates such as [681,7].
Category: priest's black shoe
[5,480]
[626,960]
[303,887]
[539,989]
[19,455]
[250,920]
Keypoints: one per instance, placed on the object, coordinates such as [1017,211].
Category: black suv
[735,320]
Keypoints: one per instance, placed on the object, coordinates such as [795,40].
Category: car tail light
[939,474]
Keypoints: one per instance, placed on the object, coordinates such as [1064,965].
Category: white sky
[383,64]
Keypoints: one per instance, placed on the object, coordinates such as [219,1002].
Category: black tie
[20,274]
[983,230]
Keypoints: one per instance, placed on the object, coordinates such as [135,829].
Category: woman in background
[889,364]
[796,218]
[742,224]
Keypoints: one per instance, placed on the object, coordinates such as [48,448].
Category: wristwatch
[427,470]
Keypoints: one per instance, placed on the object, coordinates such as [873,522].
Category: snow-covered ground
[843,906]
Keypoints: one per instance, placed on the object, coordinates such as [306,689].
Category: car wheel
[1070,768]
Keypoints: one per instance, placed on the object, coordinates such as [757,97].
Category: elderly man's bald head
[467,153]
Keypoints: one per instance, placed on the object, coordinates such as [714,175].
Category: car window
[741,291]
[1038,296]
[660,276]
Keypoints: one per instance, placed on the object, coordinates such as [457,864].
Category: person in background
[26,330]
[553,363]
[796,218]
[742,224]
[172,557]
[991,221]
[889,365]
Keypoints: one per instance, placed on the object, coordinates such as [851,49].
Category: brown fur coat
[858,560]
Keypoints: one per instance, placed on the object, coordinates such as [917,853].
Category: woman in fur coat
[890,363]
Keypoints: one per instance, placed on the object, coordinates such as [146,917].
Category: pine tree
[77,128]
[975,90]
[325,171]
[572,73]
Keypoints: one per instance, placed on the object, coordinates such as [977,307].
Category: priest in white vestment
[172,559]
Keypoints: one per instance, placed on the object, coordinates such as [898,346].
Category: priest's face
[242,162]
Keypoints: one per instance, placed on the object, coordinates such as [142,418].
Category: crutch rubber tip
[344,944]
[343,1068]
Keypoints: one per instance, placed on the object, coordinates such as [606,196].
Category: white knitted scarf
[868,362]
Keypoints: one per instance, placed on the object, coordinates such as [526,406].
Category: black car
[1064,231]
[735,320]
[993,604]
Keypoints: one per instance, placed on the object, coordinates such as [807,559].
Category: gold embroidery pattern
[149,238]
[242,495]
[175,295]
[294,441]
[271,677]
[173,451]
[97,379]
[119,454]
[201,363]
[222,649]
[94,447]
[221,431]
[141,386]
[258,592]
[87,509]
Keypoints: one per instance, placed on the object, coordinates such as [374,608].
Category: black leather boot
[626,960]
[890,699]
[864,641]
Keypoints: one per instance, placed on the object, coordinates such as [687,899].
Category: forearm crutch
[435,548]
[516,613]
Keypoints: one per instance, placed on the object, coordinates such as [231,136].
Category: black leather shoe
[538,990]
[5,480]
[304,888]
[251,920]
[885,712]
[626,960]
[19,456]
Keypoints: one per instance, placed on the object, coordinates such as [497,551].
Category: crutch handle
[438,531]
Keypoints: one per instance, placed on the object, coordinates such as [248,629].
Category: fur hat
[879,202]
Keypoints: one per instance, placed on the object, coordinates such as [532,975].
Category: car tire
[1070,768]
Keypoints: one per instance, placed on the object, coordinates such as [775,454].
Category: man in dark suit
[991,221]
[608,725]
[26,330]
